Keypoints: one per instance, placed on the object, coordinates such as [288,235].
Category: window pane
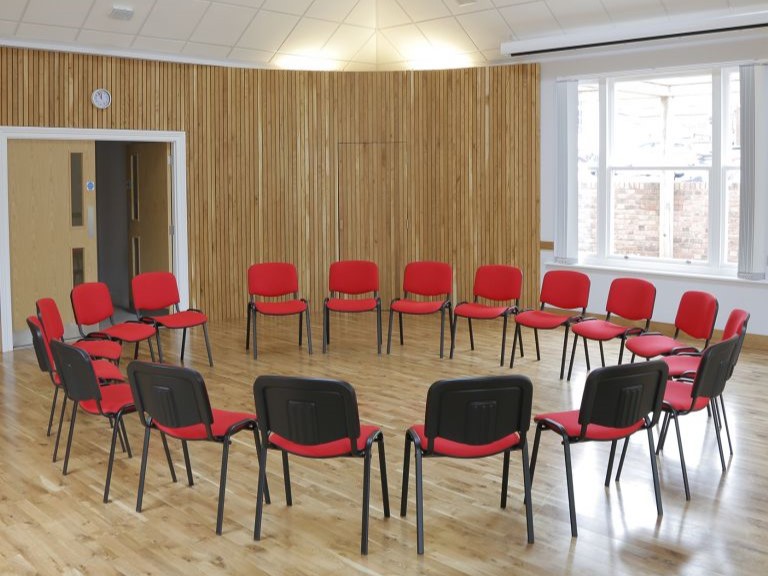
[733,193]
[78,266]
[589,147]
[690,216]
[635,213]
[76,187]
[732,130]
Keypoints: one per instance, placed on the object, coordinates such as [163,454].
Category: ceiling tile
[446,33]
[486,29]
[309,36]
[158,44]
[368,53]
[408,40]
[267,31]
[347,41]
[109,39]
[222,24]
[530,20]
[359,67]
[389,13]
[206,50]
[363,14]
[174,19]
[748,3]
[570,14]
[420,10]
[476,6]
[675,7]
[620,10]
[246,3]
[500,3]
[246,55]
[46,33]
[71,13]
[7,29]
[289,6]
[12,9]
[386,51]
[99,19]
[336,10]
[495,56]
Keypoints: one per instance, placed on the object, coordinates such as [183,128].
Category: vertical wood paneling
[273,154]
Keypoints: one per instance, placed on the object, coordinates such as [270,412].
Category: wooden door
[52,209]
[149,230]
[373,218]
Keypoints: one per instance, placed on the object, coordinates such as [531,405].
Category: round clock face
[101,98]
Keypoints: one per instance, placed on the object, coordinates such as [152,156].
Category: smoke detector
[121,12]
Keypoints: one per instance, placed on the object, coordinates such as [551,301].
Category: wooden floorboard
[54,524]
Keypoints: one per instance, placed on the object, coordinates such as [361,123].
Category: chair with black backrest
[352,278]
[617,402]
[684,363]
[695,317]
[472,418]
[174,401]
[561,289]
[81,385]
[497,284]
[315,418]
[50,318]
[275,280]
[158,291]
[682,398]
[92,305]
[629,298]
[427,280]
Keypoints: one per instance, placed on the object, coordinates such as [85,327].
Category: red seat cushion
[678,396]
[185,319]
[223,420]
[598,329]
[282,308]
[569,420]
[101,348]
[113,399]
[683,364]
[479,311]
[540,319]
[130,331]
[340,447]
[105,370]
[407,306]
[351,305]
[650,345]
[459,450]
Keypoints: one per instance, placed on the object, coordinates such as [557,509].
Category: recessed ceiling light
[121,12]
[465,2]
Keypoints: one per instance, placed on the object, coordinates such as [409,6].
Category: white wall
[734,48]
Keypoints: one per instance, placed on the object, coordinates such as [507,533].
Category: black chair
[617,402]
[174,401]
[315,418]
[683,398]
[81,385]
[472,418]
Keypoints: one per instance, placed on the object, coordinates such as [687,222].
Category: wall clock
[101,98]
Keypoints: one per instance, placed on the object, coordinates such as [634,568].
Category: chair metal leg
[253,333]
[725,420]
[260,493]
[115,432]
[222,485]
[663,433]
[621,460]
[453,337]
[301,319]
[124,436]
[602,354]
[183,344]
[143,472]
[565,350]
[400,323]
[389,331]
[503,340]
[309,331]
[378,328]
[258,454]
[442,330]
[136,351]
[168,456]
[535,453]
[326,331]
[207,345]
[586,354]
[53,409]
[515,339]
[682,457]
[716,422]
[287,479]
[536,338]
[504,479]
[609,471]
[527,481]
[247,326]
[419,503]
[520,341]
[471,335]
[383,474]
[621,348]
[654,471]
[573,353]
[366,500]
[58,431]
[69,436]
[569,481]
[187,463]
[406,475]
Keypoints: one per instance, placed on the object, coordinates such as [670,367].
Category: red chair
[275,280]
[630,298]
[352,277]
[696,315]
[427,279]
[472,418]
[315,418]
[154,291]
[92,305]
[50,318]
[82,387]
[563,289]
[174,401]
[617,402]
[497,283]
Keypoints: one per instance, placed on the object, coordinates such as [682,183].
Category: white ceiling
[341,34]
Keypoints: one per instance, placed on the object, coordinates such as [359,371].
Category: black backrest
[38,342]
[173,396]
[478,410]
[76,372]
[715,369]
[737,348]
[307,411]
[620,396]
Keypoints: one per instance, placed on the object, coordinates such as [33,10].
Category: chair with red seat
[561,289]
[696,315]
[50,318]
[496,283]
[629,298]
[92,305]
[617,402]
[315,418]
[153,291]
[174,401]
[682,398]
[275,280]
[81,385]
[355,278]
[425,279]
[472,418]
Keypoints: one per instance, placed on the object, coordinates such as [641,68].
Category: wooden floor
[51,524]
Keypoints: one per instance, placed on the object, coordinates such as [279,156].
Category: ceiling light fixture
[121,12]
[466,2]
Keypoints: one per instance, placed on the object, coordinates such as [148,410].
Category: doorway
[174,161]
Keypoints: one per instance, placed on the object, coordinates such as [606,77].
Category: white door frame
[178,142]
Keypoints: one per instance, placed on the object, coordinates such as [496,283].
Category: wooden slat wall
[264,179]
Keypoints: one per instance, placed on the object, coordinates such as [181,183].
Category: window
[657,170]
